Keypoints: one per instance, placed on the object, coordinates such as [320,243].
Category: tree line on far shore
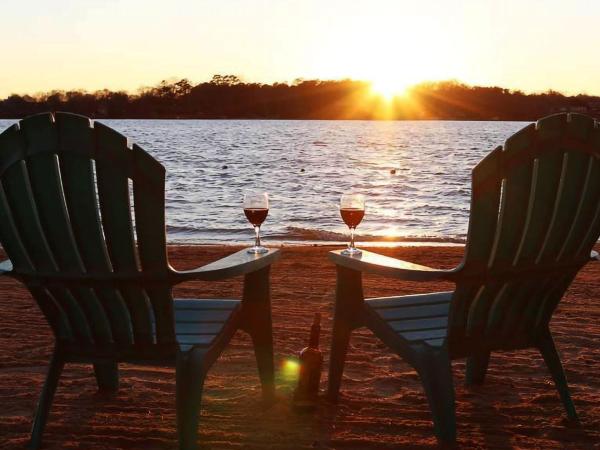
[227,97]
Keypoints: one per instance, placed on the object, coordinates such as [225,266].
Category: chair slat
[11,238]
[76,150]
[435,342]
[182,328]
[515,199]
[530,203]
[55,315]
[25,214]
[586,209]
[501,306]
[195,339]
[485,201]
[409,300]
[162,306]
[458,314]
[113,164]
[12,147]
[555,217]
[547,307]
[204,304]
[478,314]
[209,315]
[523,293]
[141,313]
[423,334]
[414,312]
[40,134]
[532,305]
[149,200]
[74,313]
[47,189]
[117,313]
[97,318]
[419,324]
[594,227]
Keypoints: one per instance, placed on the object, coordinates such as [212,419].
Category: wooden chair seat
[199,321]
[422,317]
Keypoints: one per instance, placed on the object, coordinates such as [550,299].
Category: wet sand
[382,403]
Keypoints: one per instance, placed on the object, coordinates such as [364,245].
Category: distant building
[575,109]
[591,108]
[594,108]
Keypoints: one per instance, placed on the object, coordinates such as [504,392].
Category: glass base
[351,251]
[257,250]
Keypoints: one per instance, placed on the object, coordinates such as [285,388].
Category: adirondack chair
[103,280]
[535,215]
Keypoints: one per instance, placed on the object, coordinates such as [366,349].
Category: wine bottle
[311,361]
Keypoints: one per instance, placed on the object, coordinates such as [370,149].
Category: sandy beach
[382,403]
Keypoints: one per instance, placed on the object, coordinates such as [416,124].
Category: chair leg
[45,402]
[349,303]
[340,339]
[258,323]
[262,338]
[107,376]
[477,368]
[550,355]
[436,375]
[190,374]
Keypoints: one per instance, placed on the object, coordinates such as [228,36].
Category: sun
[389,87]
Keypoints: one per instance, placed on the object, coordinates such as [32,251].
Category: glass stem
[351,237]
[257,236]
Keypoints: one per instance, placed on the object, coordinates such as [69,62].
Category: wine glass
[352,209]
[256,208]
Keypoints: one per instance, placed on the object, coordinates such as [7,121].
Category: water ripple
[415,175]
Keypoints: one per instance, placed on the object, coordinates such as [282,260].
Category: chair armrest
[239,263]
[374,263]
[6,267]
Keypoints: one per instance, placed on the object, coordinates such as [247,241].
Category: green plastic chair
[103,281]
[535,216]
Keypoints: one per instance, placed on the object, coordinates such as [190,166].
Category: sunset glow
[128,44]
[388,88]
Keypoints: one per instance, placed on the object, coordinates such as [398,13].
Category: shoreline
[275,119]
[382,404]
[308,243]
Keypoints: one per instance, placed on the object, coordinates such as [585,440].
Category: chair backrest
[535,216]
[66,223]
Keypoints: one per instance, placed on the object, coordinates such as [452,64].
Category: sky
[531,45]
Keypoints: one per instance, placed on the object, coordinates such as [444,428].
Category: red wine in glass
[256,216]
[352,216]
[352,210]
[256,209]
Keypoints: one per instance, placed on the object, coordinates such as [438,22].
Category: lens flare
[291,367]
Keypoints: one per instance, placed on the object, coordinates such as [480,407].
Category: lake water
[306,166]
